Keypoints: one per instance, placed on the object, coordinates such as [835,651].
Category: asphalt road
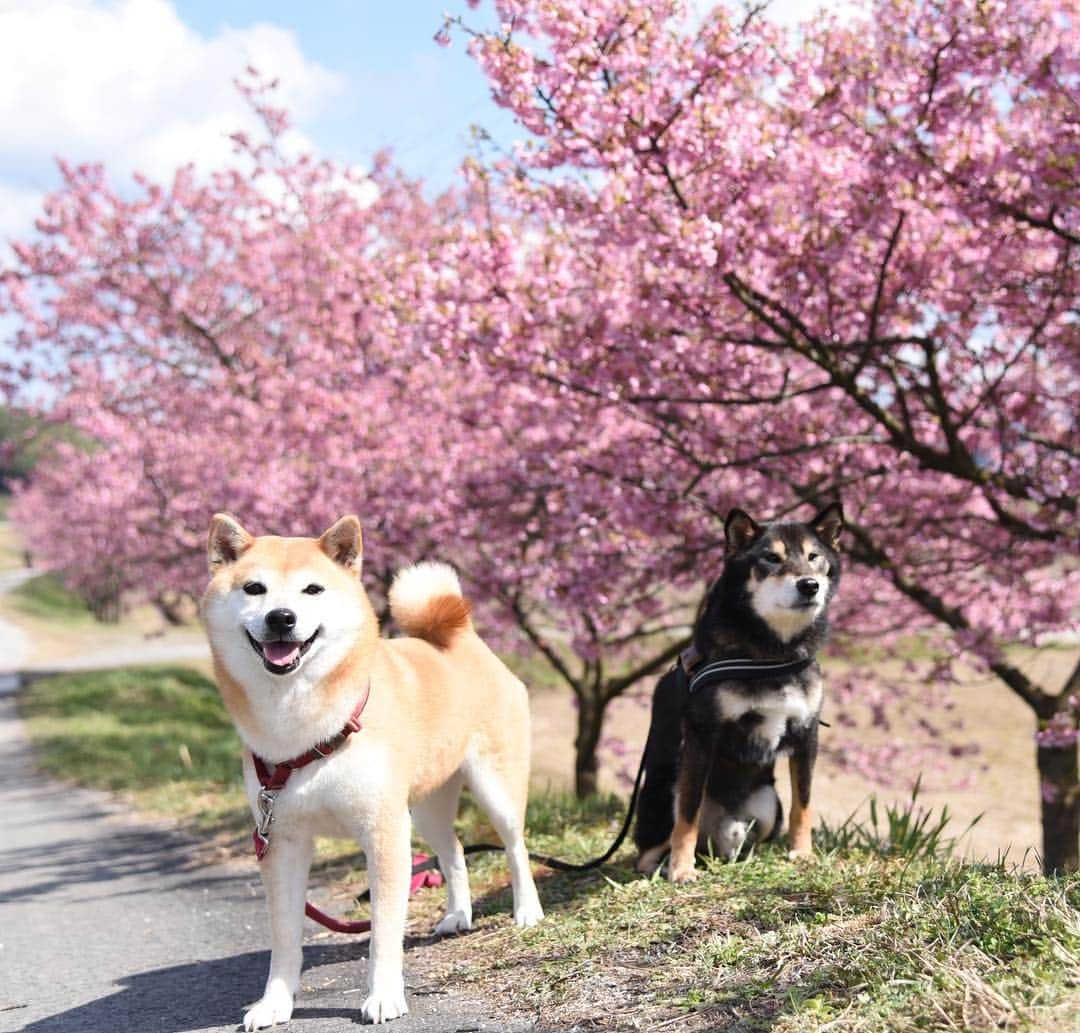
[112,925]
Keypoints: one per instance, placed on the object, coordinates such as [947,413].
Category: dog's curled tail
[426,602]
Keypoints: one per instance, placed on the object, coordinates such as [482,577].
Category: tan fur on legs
[434,820]
[389,857]
[689,794]
[684,839]
[284,875]
[802,820]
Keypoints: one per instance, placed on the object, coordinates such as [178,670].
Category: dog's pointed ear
[739,532]
[344,543]
[227,541]
[828,524]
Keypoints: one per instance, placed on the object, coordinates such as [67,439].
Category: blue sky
[401,90]
[147,85]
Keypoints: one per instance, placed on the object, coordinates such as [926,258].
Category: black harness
[737,668]
[744,668]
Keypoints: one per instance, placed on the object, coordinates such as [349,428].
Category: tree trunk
[176,609]
[104,604]
[589,723]
[1060,786]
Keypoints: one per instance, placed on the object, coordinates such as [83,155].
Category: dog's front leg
[389,860]
[801,767]
[690,791]
[284,872]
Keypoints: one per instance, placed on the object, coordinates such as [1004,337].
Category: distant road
[14,645]
[16,648]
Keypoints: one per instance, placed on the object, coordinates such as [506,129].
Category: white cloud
[18,210]
[126,82]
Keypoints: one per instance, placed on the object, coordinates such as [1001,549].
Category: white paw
[649,860]
[528,913]
[382,1007]
[276,1006]
[683,874]
[454,922]
[730,842]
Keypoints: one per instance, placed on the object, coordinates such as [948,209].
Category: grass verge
[47,597]
[881,933]
[159,735]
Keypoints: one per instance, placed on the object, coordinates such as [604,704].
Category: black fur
[688,739]
[655,814]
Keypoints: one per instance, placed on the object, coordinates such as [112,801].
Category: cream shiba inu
[296,649]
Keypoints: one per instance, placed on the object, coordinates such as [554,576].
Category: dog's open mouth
[280,656]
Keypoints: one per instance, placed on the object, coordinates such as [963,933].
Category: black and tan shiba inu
[748,689]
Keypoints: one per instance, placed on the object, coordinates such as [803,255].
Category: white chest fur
[775,707]
[336,796]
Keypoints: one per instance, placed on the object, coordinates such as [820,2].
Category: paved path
[109,925]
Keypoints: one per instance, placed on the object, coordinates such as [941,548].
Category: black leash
[567,866]
[550,862]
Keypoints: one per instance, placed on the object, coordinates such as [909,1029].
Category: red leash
[419,881]
[273,781]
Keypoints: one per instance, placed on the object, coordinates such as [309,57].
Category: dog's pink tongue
[281,654]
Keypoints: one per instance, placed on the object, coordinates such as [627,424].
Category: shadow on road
[206,995]
[111,861]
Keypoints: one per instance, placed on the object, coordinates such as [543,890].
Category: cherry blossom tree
[842,260]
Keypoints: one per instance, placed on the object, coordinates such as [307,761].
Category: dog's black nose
[807,586]
[281,621]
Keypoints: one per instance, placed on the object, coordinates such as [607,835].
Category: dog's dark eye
[772,557]
[314,590]
[813,556]
[255,588]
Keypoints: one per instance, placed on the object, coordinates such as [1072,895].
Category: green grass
[12,556]
[883,932]
[160,734]
[910,831]
[47,597]
[848,943]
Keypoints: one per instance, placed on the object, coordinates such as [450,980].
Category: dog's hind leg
[688,799]
[801,767]
[434,820]
[649,860]
[284,872]
[503,799]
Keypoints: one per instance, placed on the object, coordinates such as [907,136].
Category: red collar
[277,778]
[272,781]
